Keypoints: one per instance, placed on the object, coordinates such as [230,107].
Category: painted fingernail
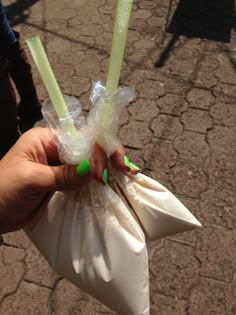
[83,168]
[126,161]
[105,176]
[130,164]
[134,166]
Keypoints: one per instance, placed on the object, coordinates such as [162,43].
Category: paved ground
[182,59]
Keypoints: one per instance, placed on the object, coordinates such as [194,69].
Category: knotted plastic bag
[96,237]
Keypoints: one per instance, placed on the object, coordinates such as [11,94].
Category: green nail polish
[105,176]
[83,168]
[134,166]
[130,164]
[126,161]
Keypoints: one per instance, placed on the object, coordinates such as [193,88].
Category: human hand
[28,172]
[31,170]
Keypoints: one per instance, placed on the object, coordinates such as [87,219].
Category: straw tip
[33,38]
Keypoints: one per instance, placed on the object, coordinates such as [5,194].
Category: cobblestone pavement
[181,56]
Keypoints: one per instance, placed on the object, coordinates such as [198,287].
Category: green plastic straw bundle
[45,70]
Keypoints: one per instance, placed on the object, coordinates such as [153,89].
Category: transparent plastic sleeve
[100,125]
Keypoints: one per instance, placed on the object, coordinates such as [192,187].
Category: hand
[28,172]
[31,170]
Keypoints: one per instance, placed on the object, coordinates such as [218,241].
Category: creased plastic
[93,239]
[95,127]
[96,237]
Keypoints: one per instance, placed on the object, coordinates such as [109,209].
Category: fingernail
[83,168]
[126,161]
[130,164]
[134,166]
[105,176]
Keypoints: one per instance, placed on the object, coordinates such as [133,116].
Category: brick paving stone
[37,269]
[196,120]
[128,134]
[147,4]
[214,251]
[17,239]
[221,171]
[176,85]
[226,74]
[56,25]
[225,93]
[101,42]
[88,68]
[188,179]
[68,299]
[192,146]
[212,297]
[157,21]
[179,275]
[152,88]
[142,14]
[217,207]
[77,86]
[63,73]
[234,284]
[29,299]
[124,117]
[135,52]
[166,127]
[220,140]
[12,269]
[140,109]
[224,114]
[200,99]
[160,156]
[58,46]
[204,71]
[165,305]
[172,104]
[182,66]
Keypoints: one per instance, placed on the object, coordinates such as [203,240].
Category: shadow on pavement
[16,12]
[206,19]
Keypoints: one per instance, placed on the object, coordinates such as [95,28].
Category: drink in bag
[92,238]
[95,237]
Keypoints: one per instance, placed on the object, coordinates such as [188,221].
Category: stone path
[181,56]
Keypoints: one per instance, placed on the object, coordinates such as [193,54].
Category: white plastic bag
[95,237]
[160,213]
[92,239]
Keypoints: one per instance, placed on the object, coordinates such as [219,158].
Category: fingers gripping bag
[96,237]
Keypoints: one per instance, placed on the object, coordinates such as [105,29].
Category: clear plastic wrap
[100,125]
[96,237]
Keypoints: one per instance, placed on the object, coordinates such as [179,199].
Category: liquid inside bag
[92,238]
[160,213]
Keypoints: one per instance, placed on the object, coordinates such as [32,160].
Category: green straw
[123,12]
[45,70]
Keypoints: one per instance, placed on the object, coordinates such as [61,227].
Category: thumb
[63,177]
